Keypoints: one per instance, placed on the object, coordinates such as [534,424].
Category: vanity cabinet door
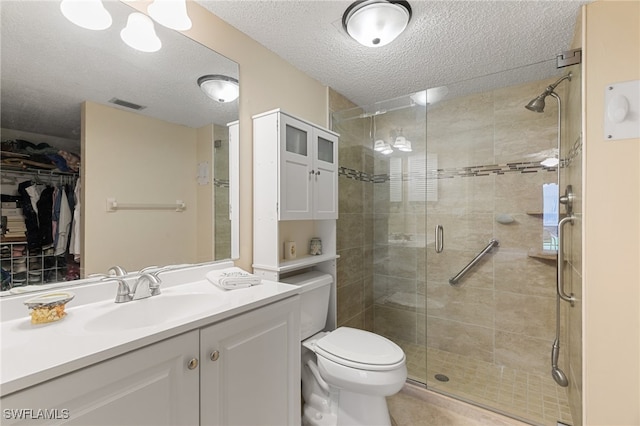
[149,386]
[250,371]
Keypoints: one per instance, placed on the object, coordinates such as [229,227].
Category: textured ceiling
[50,66]
[445,42]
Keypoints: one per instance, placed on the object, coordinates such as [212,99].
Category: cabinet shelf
[300,263]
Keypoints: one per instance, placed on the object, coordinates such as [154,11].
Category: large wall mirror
[154,181]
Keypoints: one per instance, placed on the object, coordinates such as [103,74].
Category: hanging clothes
[75,240]
[64,223]
[30,213]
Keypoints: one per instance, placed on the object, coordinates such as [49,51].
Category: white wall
[611,269]
[136,159]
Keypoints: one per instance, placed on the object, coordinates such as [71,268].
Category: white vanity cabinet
[250,370]
[244,370]
[295,166]
[149,386]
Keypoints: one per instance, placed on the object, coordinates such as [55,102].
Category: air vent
[126,104]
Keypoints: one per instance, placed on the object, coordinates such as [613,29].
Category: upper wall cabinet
[304,159]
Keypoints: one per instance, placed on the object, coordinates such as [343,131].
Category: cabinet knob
[312,172]
[193,364]
[214,355]
[318,173]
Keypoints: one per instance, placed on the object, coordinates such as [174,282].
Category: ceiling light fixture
[89,14]
[170,13]
[140,34]
[220,88]
[376,23]
[430,96]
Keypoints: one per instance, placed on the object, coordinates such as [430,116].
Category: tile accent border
[464,172]
[221,183]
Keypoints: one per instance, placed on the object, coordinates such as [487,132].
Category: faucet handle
[123,294]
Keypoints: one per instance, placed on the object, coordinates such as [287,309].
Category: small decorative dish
[48,307]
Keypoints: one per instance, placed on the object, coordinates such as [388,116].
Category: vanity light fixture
[376,23]
[430,96]
[89,14]
[220,88]
[170,13]
[140,34]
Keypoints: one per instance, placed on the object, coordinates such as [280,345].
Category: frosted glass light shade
[376,23]
[140,34]
[170,13]
[220,88]
[89,14]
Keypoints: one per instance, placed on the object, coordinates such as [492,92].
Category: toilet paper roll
[289,250]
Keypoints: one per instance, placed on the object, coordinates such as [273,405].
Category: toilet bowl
[346,373]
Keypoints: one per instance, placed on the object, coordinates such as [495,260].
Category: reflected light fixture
[430,96]
[220,88]
[376,23]
[140,34]
[89,14]
[401,143]
[170,13]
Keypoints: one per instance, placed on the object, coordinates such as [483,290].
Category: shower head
[537,104]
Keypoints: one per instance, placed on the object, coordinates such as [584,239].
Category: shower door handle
[560,280]
[439,240]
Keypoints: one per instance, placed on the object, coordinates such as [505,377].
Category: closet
[38,242]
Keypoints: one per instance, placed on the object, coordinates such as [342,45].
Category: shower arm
[550,89]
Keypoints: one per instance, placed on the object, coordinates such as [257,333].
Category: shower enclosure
[427,189]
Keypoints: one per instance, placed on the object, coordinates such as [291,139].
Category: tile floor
[532,398]
[414,406]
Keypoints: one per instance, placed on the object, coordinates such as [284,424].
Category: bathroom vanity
[214,358]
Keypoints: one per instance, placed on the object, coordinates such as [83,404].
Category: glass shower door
[489,334]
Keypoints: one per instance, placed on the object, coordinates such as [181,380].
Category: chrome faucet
[146,285]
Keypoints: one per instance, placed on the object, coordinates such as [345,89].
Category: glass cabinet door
[296,167]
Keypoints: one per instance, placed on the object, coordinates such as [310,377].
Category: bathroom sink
[152,311]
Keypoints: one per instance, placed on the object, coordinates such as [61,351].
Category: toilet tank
[315,288]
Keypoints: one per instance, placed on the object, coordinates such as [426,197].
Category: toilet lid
[360,349]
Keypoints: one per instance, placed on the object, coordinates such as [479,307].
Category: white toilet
[346,373]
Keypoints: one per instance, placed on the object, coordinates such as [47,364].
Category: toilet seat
[360,349]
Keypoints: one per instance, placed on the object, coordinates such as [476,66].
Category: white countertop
[31,354]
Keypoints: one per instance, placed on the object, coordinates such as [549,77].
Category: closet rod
[113,206]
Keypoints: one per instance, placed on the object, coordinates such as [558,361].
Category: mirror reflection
[124,140]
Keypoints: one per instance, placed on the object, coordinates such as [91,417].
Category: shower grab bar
[439,241]
[493,243]
[560,280]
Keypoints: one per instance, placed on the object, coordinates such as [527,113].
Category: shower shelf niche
[540,214]
[543,254]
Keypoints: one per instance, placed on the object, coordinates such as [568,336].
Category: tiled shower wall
[222,224]
[355,220]
[502,312]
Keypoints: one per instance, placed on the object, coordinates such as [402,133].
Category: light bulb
[89,14]
[140,34]
[170,13]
